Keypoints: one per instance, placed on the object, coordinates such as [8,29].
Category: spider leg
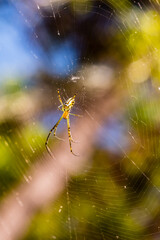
[59,97]
[59,108]
[49,151]
[76,115]
[74,96]
[74,141]
[70,137]
[61,139]
[53,128]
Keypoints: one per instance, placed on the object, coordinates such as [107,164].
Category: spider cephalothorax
[67,106]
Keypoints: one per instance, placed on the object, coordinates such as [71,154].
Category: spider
[65,107]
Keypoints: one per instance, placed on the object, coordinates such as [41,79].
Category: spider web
[116,196]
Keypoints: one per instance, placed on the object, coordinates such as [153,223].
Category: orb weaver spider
[65,107]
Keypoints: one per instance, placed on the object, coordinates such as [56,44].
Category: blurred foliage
[94,206]
[112,198]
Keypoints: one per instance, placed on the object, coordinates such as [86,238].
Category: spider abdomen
[65,115]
